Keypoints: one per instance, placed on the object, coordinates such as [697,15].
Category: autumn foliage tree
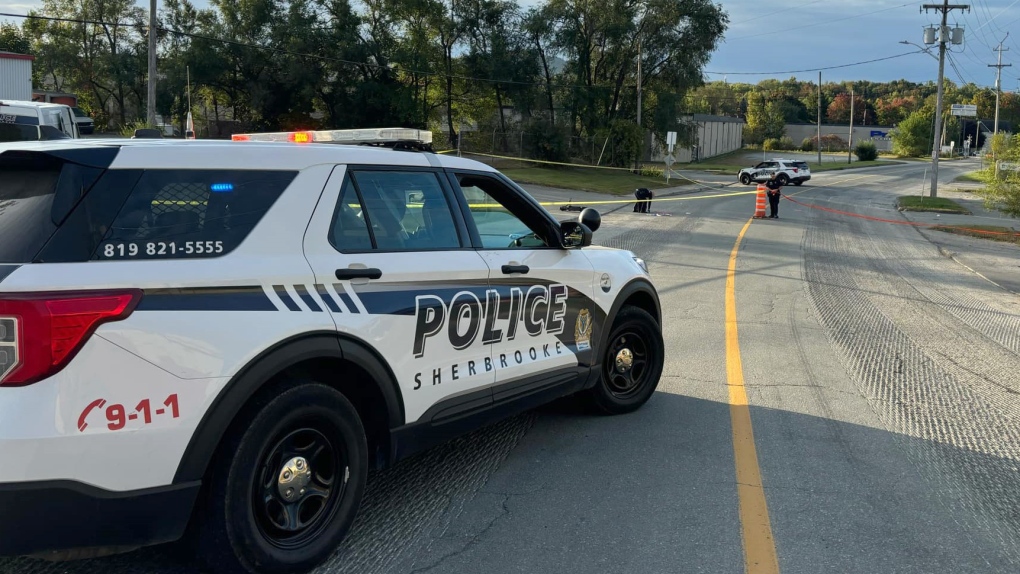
[839,110]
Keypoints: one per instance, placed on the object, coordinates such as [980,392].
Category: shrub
[808,144]
[652,172]
[771,144]
[866,151]
[546,141]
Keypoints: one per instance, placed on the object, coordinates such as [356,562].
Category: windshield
[79,113]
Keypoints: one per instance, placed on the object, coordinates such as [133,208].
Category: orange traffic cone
[759,203]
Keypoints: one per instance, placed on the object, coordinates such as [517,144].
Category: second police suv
[217,340]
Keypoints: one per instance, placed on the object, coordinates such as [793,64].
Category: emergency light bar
[364,136]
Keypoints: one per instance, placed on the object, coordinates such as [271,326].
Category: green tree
[764,119]
[12,39]
[913,137]
[1002,190]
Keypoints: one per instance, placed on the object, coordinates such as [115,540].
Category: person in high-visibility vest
[774,187]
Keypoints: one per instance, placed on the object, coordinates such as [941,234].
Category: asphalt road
[881,383]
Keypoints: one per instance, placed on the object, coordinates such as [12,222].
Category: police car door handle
[508,269]
[363,273]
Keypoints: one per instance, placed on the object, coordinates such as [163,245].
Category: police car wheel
[631,363]
[287,486]
[783,179]
[745,179]
[798,182]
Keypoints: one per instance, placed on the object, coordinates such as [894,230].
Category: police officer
[643,195]
[774,188]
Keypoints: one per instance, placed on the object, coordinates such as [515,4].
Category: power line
[992,18]
[814,69]
[301,54]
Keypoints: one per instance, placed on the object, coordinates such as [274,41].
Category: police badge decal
[582,330]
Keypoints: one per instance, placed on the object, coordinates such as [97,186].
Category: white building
[16,76]
[716,135]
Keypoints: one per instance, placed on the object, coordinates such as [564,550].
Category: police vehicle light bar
[364,136]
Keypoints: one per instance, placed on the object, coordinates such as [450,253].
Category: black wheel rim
[298,485]
[628,364]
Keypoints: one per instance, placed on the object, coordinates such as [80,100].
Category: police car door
[545,318]
[764,169]
[386,249]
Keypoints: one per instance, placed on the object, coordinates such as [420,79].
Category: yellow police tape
[542,161]
[542,203]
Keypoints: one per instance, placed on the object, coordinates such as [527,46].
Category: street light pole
[151,99]
[945,8]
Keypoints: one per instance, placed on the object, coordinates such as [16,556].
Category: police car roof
[192,154]
[28,104]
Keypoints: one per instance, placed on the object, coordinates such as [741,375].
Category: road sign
[965,110]
[670,140]
[669,160]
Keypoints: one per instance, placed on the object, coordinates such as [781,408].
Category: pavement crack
[473,540]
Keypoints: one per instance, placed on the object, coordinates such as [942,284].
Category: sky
[779,38]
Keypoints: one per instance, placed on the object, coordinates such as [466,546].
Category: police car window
[407,210]
[349,231]
[179,214]
[498,226]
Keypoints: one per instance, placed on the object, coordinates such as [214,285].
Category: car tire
[635,338]
[798,182]
[783,179]
[745,179]
[304,431]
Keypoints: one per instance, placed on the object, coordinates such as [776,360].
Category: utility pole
[818,143]
[850,144]
[637,162]
[944,37]
[151,100]
[998,92]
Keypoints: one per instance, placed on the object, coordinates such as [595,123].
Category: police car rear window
[28,185]
[182,214]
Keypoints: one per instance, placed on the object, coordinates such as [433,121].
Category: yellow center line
[755,529]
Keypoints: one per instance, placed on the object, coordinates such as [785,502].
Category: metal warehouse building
[15,76]
[716,135]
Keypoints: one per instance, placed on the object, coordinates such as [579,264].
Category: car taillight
[794,170]
[41,332]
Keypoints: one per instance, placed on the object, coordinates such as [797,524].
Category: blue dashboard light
[219,187]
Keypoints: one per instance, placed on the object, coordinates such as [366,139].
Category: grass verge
[974,176]
[598,181]
[993,232]
[934,204]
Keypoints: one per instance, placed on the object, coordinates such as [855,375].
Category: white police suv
[219,339]
[788,170]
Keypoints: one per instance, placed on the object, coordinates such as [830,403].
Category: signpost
[669,159]
[964,110]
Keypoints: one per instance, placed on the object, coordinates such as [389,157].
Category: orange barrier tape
[1014,234]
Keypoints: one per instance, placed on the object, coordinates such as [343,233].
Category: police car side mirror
[590,218]
[575,234]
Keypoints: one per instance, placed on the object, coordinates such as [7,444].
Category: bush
[808,144]
[546,141]
[653,172]
[784,144]
[866,151]
[128,129]
[753,136]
